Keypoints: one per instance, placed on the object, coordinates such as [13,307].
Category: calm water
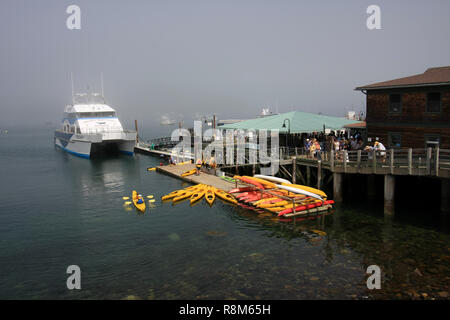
[57,210]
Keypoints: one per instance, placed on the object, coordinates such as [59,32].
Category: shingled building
[410,112]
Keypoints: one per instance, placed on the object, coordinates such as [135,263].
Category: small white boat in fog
[91,127]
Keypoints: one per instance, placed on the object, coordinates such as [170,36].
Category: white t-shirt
[380,146]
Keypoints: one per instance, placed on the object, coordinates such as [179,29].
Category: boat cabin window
[109,114]
[78,130]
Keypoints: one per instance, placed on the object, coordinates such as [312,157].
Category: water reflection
[183,252]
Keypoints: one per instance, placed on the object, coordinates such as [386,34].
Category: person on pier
[378,146]
[198,166]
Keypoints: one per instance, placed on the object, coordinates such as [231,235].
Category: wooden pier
[203,178]
[430,162]
[145,149]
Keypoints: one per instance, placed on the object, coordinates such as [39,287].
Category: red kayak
[250,181]
[245,194]
[240,190]
[255,197]
[305,207]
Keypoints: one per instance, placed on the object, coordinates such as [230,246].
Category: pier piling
[294,170]
[371,186]
[308,175]
[445,190]
[319,174]
[389,193]
[337,187]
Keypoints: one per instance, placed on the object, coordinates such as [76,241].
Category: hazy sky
[230,58]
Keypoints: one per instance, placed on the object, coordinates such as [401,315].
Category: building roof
[299,122]
[360,124]
[432,76]
[229,121]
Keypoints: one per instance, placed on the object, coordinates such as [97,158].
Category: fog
[182,59]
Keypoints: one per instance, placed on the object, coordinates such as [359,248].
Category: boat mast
[101,78]
[73,97]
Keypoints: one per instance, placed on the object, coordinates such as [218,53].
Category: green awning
[300,122]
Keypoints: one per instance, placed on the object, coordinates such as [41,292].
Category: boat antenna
[71,79]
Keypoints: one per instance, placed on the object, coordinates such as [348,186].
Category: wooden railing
[430,161]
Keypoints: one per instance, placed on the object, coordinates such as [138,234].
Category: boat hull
[86,146]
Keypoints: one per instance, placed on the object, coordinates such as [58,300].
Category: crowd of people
[315,143]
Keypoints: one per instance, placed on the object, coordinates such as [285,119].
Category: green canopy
[299,122]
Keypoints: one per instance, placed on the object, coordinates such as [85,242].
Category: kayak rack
[294,214]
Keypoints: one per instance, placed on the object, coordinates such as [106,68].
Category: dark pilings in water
[319,174]
[371,186]
[294,170]
[445,195]
[338,187]
[389,194]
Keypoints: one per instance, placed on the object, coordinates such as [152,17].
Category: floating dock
[203,178]
[217,182]
[145,149]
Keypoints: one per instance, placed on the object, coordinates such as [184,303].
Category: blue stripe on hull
[129,153]
[81,155]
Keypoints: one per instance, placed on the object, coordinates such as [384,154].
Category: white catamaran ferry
[91,127]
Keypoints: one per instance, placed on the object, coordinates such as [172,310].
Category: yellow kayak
[196,187]
[289,205]
[189,172]
[209,195]
[224,195]
[197,195]
[171,195]
[181,163]
[276,209]
[183,195]
[139,206]
[273,205]
[176,193]
[187,193]
[306,188]
[264,200]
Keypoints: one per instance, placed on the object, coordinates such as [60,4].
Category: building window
[432,140]
[434,102]
[395,139]
[395,103]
